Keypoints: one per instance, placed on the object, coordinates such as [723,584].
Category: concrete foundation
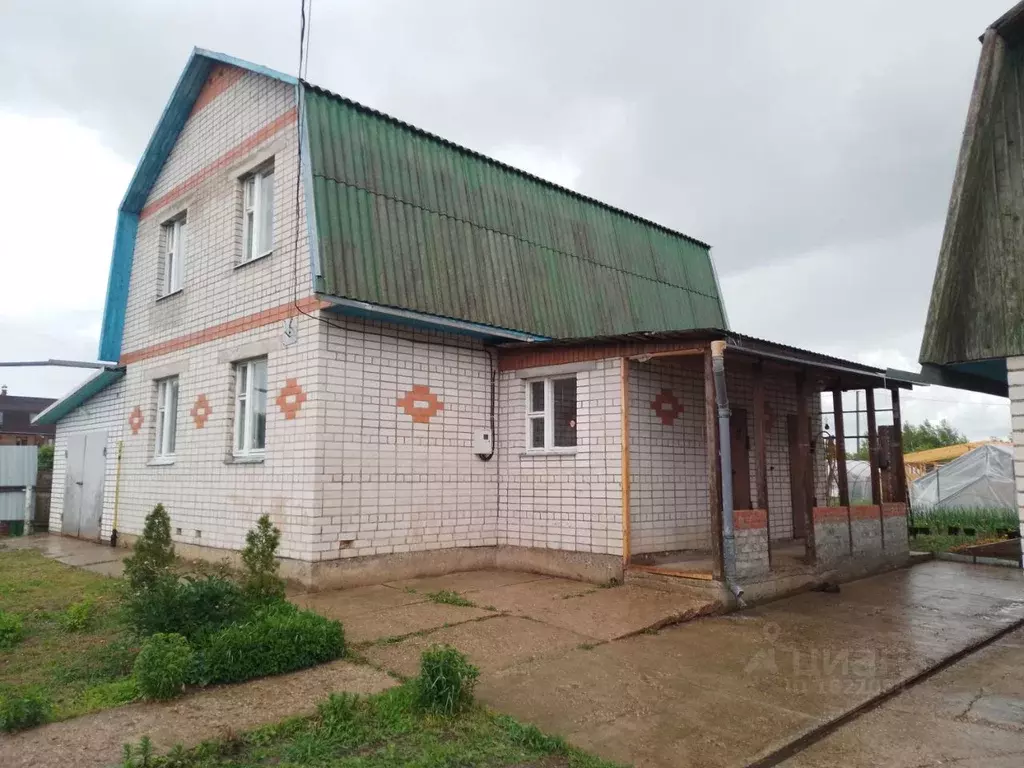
[866,533]
[832,536]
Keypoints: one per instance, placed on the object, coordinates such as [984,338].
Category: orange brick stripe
[749,519]
[221,78]
[223,161]
[223,330]
[869,512]
[894,509]
[830,514]
[518,359]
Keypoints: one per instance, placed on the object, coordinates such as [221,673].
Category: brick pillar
[751,527]
[1015,377]
[866,532]
[894,521]
[832,533]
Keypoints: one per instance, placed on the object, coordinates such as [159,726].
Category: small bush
[22,709]
[11,630]
[446,681]
[45,457]
[154,552]
[278,638]
[165,663]
[448,597]
[261,581]
[76,617]
[107,695]
[193,607]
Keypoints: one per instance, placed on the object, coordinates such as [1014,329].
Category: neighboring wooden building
[16,414]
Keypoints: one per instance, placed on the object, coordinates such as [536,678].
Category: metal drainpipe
[725,453]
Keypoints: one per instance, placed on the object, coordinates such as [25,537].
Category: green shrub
[278,638]
[165,663]
[154,552]
[446,681]
[107,695]
[76,617]
[261,581]
[45,457]
[448,597]
[192,607]
[11,630]
[22,709]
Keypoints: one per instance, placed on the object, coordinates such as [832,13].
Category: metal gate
[17,483]
[83,484]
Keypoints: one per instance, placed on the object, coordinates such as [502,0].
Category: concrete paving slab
[525,597]
[406,619]
[492,645]
[113,568]
[344,604]
[468,581]
[101,555]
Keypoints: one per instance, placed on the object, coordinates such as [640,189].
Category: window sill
[253,260]
[160,461]
[252,458]
[171,294]
[549,452]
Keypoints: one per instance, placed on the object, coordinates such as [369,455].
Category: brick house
[449,364]
[16,415]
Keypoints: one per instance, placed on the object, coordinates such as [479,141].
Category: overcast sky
[811,143]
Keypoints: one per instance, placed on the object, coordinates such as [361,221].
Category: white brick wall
[668,464]
[1015,376]
[571,502]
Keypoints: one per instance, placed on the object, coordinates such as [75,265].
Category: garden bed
[949,530]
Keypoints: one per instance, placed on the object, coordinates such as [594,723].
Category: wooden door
[798,464]
[740,448]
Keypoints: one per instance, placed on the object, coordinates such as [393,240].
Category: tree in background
[921,437]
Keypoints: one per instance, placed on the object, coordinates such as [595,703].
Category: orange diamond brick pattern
[667,406]
[420,403]
[291,398]
[135,420]
[201,411]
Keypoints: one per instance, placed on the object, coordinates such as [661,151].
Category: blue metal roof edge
[77,397]
[165,135]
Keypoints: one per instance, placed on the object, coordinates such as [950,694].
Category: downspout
[725,456]
[117,493]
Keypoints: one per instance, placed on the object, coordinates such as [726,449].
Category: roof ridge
[497,163]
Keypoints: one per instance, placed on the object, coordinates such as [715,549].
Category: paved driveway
[726,690]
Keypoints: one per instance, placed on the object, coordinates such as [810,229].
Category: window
[166,417]
[174,256]
[551,413]
[251,407]
[258,216]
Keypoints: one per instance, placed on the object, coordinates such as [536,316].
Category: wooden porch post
[876,485]
[714,468]
[803,428]
[897,429]
[841,478]
[761,451]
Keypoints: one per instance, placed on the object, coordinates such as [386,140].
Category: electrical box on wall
[483,441]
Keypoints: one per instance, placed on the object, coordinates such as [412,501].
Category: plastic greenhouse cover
[982,478]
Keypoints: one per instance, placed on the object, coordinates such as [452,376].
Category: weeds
[448,597]
[446,681]
[77,617]
[12,629]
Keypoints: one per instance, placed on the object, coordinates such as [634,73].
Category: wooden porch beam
[876,483]
[714,467]
[897,428]
[761,452]
[803,431]
[841,478]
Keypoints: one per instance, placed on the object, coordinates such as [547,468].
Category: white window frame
[245,397]
[165,442]
[174,255]
[256,207]
[547,414]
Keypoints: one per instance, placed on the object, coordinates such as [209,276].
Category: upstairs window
[551,413]
[258,214]
[251,407]
[174,256]
[166,417]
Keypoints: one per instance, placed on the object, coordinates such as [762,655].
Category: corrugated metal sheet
[977,303]
[12,505]
[406,219]
[18,465]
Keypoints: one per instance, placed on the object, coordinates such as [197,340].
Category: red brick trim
[222,77]
[869,512]
[749,519]
[518,359]
[894,509]
[223,330]
[831,514]
[264,133]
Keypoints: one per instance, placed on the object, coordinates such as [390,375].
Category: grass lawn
[985,523]
[384,730]
[78,670]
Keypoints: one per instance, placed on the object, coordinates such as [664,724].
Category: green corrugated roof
[407,219]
